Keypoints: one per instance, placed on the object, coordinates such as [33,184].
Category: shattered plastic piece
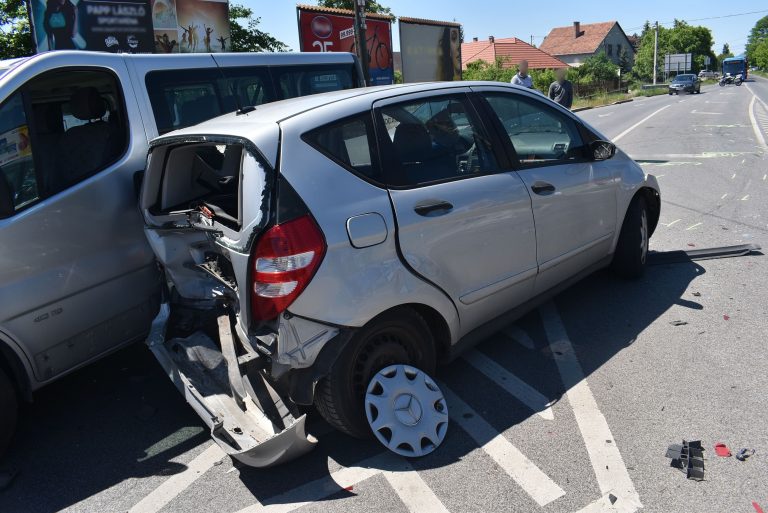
[726,317]
[349,488]
[689,457]
[743,454]
[691,244]
[678,323]
[612,498]
[757,507]
[722,450]
[697,294]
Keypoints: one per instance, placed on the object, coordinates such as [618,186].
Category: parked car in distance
[687,83]
[312,242]
[77,276]
[709,74]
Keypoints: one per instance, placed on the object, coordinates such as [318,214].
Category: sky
[521,19]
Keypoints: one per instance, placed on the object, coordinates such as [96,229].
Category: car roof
[276,112]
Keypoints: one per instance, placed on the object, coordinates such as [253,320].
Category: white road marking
[724,195]
[672,223]
[745,198]
[320,488]
[659,176]
[764,177]
[414,492]
[610,471]
[708,101]
[628,130]
[705,155]
[605,115]
[680,101]
[511,383]
[694,111]
[755,127]
[522,470]
[519,336]
[733,176]
[693,226]
[743,161]
[177,483]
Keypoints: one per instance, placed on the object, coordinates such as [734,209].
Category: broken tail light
[286,258]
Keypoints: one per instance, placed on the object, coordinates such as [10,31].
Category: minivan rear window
[182,98]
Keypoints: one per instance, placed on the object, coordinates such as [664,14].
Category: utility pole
[655,50]
[360,40]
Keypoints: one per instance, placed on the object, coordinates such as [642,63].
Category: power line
[705,19]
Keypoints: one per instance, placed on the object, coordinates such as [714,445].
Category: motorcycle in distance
[729,79]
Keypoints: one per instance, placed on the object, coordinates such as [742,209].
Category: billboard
[132,26]
[677,62]
[430,50]
[332,30]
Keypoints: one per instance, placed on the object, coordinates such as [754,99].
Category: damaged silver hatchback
[310,243]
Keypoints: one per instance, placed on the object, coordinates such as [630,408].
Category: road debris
[682,257]
[722,450]
[688,457]
[757,507]
[678,323]
[745,453]
[697,294]
[726,317]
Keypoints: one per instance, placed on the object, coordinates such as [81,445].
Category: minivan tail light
[286,258]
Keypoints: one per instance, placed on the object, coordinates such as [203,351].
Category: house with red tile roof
[511,50]
[574,44]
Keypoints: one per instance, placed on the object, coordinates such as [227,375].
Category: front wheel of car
[8,411]
[397,337]
[631,255]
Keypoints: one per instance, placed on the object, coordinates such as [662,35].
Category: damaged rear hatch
[202,233]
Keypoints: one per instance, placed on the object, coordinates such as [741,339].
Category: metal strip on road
[628,130]
[610,471]
[511,383]
[522,470]
[174,485]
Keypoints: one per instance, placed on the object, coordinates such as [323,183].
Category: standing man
[522,78]
[561,90]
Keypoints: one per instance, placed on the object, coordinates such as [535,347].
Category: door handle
[426,208]
[543,188]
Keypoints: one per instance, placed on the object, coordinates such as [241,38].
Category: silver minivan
[77,277]
[313,243]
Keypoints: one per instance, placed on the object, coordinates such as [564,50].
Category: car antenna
[240,108]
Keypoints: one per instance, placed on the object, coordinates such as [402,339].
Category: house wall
[615,38]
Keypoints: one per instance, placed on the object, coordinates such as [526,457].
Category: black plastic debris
[688,457]
[743,454]
[678,323]
[680,257]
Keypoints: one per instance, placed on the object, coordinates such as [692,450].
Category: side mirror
[7,206]
[602,150]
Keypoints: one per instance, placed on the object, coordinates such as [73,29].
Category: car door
[573,197]
[464,221]
[77,277]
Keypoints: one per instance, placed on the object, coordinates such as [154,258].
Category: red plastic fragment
[349,488]
[757,507]
[726,317]
[722,450]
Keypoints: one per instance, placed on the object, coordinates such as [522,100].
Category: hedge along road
[528,433]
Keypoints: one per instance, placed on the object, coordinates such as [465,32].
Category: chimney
[576,28]
[491,39]
[474,39]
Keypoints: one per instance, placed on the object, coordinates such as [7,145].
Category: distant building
[511,49]
[574,44]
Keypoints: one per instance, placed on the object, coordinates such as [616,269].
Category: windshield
[733,67]
[683,78]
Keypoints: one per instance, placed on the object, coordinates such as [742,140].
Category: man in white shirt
[522,78]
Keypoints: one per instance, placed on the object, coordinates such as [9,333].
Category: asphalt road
[570,410]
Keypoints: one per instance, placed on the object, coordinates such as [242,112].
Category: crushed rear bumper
[232,408]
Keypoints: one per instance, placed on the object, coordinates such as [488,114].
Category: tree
[726,50]
[372,5]
[624,63]
[597,68]
[758,34]
[759,54]
[249,38]
[680,38]
[15,36]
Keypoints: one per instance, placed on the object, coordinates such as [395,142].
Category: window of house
[59,129]
[434,139]
[539,134]
[348,142]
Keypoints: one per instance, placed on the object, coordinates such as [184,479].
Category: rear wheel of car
[631,254]
[8,411]
[397,337]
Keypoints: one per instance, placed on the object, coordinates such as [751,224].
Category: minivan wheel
[631,254]
[8,411]
[397,337]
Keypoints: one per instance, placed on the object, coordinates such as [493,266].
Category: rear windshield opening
[205,178]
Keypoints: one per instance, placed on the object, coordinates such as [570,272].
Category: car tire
[9,410]
[398,337]
[631,255]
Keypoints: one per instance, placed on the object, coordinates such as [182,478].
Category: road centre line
[177,483]
[511,383]
[693,226]
[522,470]
[694,111]
[628,130]
[745,198]
[610,471]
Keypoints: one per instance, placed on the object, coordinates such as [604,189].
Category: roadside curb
[581,108]
[619,102]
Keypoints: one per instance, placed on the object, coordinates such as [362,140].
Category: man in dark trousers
[561,90]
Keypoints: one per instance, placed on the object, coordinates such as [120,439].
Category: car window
[348,142]
[433,139]
[16,165]
[62,128]
[296,81]
[539,134]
